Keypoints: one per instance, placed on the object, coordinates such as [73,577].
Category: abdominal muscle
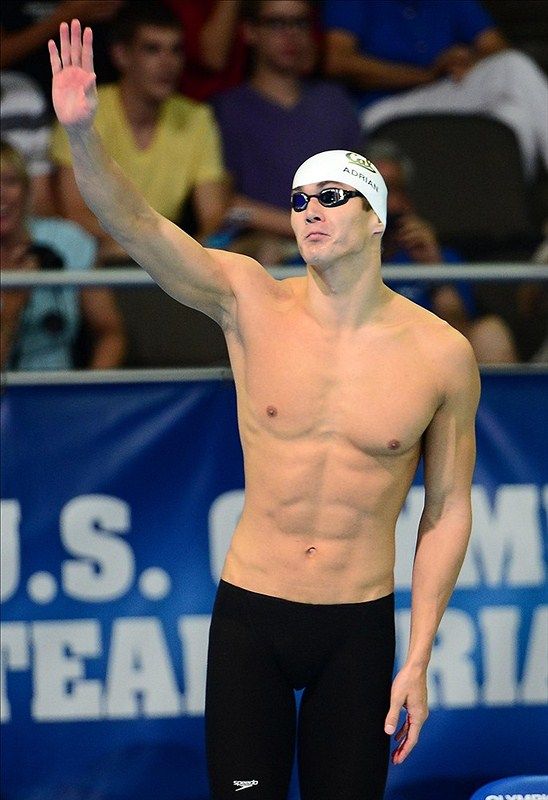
[319,521]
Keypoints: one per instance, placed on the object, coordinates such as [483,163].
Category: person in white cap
[342,385]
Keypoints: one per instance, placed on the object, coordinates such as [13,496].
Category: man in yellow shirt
[167,144]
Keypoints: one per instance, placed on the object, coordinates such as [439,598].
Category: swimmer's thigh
[250,715]
[343,750]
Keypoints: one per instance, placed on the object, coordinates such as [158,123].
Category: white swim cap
[350,168]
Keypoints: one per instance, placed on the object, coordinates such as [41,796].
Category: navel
[394,444]
[271,411]
[311,551]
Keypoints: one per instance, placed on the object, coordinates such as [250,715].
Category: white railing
[119,276]
[135,277]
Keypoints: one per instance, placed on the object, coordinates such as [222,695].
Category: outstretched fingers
[54,59]
[75,43]
[76,50]
[87,50]
[65,44]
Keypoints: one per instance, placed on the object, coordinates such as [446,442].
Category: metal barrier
[136,277]
[120,276]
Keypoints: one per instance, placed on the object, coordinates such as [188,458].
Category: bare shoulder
[247,276]
[445,349]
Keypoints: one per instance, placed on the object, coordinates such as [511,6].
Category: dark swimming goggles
[327,197]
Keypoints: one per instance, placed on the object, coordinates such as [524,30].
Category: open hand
[74,90]
[455,62]
[418,238]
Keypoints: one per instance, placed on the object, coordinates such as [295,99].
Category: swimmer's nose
[314,211]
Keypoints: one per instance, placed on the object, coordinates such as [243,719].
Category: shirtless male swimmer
[342,385]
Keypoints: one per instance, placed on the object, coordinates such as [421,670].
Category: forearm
[12,304]
[366,72]
[111,197]
[108,351]
[18,44]
[218,34]
[440,552]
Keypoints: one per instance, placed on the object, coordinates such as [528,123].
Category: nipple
[271,411]
[394,444]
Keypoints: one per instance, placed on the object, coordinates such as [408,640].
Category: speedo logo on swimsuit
[362,177]
[244,785]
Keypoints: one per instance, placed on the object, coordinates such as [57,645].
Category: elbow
[447,515]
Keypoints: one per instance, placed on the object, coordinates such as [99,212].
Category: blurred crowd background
[209,107]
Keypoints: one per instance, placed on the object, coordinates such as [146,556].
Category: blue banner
[118,503]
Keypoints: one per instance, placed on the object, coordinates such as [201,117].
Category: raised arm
[181,266]
[444,531]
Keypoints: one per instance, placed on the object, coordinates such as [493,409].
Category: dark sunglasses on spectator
[327,197]
[283,23]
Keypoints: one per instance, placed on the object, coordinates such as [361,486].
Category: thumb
[392,717]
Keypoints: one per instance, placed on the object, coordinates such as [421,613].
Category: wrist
[417,662]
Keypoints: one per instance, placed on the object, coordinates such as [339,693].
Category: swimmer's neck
[346,295]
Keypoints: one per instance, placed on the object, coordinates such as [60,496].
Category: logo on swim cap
[348,168]
[354,158]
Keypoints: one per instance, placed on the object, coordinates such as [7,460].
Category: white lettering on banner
[61,692]
[141,680]
[194,634]
[506,547]
[506,544]
[10,518]
[499,628]
[534,796]
[14,655]
[140,677]
[534,685]
[89,529]
[493,656]
[453,681]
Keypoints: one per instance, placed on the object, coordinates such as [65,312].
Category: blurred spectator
[25,125]
[40,327]
[25,28]
[530,319]
[409,239]
[215,51]
[167,144]
[453,54]
[275,121]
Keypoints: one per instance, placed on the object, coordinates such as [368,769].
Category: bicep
[449,441]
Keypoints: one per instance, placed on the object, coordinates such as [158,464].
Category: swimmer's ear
[379,228]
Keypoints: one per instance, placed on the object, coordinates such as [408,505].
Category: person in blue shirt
[410,239]
[405,57]
[40,328]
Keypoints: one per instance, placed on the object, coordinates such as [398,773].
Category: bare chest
[368,391]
